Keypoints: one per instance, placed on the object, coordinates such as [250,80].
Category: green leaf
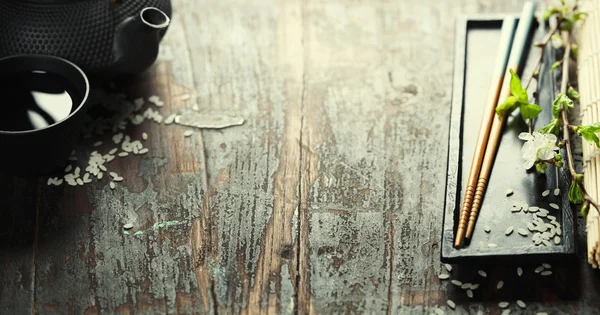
[589,133]
[516,88]
[575,195]
[584,210]
[579,16]
[566,25]
[549,13]
[530,111]
[574,51]
[555,66]
[561,101]
[508,106]
[572,93]
[553,127]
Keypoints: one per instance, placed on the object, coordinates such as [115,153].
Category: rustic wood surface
[328,200]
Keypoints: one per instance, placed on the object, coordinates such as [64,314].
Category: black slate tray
[477,38]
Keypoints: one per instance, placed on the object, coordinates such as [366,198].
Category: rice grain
[539,269]
[533,209]
[503,304]
[521,304]
[509,230]
[451,304]
[482,273]
[545,193]
[555,206]
[444,276]
[500,285]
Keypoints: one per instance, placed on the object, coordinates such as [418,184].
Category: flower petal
[545,154]
[525,136]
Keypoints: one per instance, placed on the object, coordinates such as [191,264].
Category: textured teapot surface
[82,31]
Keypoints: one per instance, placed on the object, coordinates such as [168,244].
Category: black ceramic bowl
[41,151]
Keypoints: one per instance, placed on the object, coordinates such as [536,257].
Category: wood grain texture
[328,200]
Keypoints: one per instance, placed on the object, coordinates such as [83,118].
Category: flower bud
[541,167]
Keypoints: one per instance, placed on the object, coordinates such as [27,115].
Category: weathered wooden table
[327,200]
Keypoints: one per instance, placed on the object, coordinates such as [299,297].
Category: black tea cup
[42,111]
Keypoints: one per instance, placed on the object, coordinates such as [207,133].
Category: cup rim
[79,107]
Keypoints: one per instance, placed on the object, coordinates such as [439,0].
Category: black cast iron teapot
[103,37]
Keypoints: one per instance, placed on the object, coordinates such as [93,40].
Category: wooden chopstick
[516,56]
[506,39]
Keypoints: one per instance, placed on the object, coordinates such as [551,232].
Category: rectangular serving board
[477,39]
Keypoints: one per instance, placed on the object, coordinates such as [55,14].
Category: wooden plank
[248,61]
[83,261]
[374,141]
[17,233]
[327,200]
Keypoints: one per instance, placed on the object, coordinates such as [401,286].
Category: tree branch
[565,120]
[542,46]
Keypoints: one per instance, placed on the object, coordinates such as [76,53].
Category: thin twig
[543,45]
[565,122]
[537,68]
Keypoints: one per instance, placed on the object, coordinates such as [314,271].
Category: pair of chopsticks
[510,53]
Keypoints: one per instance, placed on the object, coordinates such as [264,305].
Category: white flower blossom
[538,146]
